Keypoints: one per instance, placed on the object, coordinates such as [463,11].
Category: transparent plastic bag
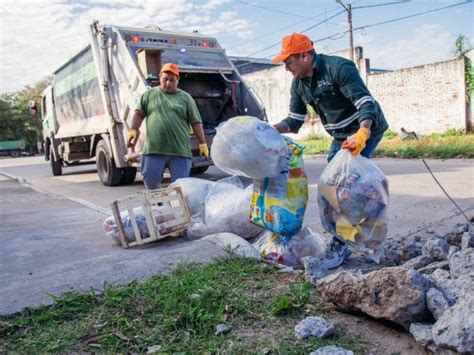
[247,146]
[226,210]
[273,247]
[353,197]
[279,203]
[194,192]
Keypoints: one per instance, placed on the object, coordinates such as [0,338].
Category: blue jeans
[152,167]
[370,146]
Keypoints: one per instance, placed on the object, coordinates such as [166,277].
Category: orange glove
[132,137]
[204,150]
[356,142]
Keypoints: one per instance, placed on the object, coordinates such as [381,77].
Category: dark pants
[370,146]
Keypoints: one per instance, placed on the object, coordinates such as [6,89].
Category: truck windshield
[186,58]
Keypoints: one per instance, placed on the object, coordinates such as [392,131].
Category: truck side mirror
[33,107]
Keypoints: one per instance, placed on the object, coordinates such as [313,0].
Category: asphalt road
[417,202]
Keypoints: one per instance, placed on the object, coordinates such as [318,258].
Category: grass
[178,313]
[450,144]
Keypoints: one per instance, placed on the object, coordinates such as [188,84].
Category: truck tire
[199,170]
[56,166]
[128,176]
[15,153]
[108,173]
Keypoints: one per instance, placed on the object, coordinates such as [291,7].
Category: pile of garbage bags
[218,207]
[353,197]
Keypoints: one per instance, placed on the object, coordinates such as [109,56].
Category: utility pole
[348,9]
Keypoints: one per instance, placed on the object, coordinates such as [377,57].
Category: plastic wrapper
[226,210]
[111,229]
[353,197]
[272,247]
[194,192]
[247,146]
[278,203]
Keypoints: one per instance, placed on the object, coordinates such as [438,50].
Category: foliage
[453,143]
[461,46]
[178,313]
[15,119]
[469,77]
[389,134]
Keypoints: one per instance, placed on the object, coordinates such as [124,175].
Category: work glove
[356,142]
[204,150]
[132,137]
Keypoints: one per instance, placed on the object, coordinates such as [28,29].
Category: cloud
[427,44]
[36,37]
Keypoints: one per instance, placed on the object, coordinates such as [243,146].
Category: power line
[385,4]
[280,29]
[270,9]
[305,30]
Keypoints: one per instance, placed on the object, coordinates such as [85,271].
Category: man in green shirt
[333,87]
[169,112]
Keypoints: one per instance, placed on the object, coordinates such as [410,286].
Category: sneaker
[336,253]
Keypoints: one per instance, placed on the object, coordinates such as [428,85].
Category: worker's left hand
[356,142]
[204,150]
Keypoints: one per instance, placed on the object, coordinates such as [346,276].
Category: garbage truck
[88,108]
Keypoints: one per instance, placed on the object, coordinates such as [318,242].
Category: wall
[425,99]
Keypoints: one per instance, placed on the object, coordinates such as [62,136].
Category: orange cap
[170,67]
[292,44]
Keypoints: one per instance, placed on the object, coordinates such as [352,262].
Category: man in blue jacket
[333,87]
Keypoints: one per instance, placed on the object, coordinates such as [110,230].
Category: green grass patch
[451,144]
[178,313]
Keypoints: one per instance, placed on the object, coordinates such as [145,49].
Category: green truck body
[13,148]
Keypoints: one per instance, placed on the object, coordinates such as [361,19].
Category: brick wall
[425,99]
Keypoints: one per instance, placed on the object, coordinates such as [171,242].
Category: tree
[461,46]
[15,119]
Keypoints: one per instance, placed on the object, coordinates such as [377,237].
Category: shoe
[336,253]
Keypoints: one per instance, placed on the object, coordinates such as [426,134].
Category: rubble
[234,244]
[314,326]
[455,329]
[314,269]
[423,335]
[467,240]
[462,262]
[437,248]
[395,294]
[331,350]
[436,302]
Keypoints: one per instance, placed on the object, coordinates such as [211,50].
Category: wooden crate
[165,213]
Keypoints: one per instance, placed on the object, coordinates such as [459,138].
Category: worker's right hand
[132,137]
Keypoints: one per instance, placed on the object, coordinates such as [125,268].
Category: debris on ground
[331,350]
[314,326]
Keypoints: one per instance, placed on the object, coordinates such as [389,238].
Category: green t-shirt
[167,121]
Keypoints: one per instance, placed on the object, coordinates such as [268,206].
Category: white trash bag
[195,191]
[247,146]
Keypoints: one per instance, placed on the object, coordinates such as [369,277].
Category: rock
[397,251]
[234,244]
[314,326]
[430,268]
[419,262]
[462,263]
[436,302]
[153,349]
[453,249]
[467,240]
[455,236]
[314,270]
[455,329]
[396,294]
[222,329]
[331,350]
[442,281]
[437,248]
[423,335]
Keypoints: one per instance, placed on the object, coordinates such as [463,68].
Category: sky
[38,36]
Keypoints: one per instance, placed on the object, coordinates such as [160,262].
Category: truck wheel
[199,170]
[108,173]
[14,153]
[56,166]
[128,176]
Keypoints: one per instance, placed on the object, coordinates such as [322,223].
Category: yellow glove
[356,142]
[204,150]
[132,137]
